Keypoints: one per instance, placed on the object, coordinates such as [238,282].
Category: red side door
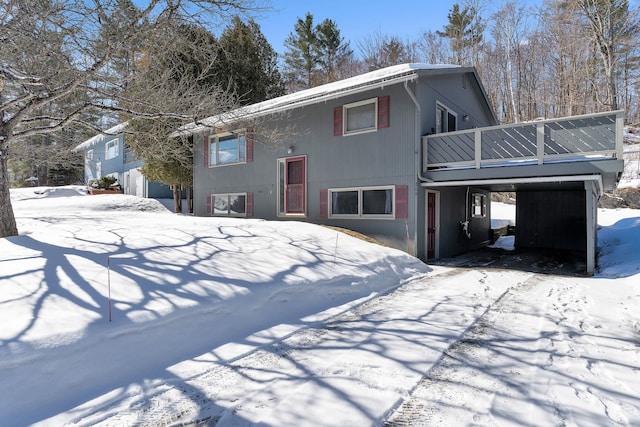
[431,225]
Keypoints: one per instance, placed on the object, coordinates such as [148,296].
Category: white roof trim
[114,131]
[378,78]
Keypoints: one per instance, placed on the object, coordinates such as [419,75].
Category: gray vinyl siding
[108,166]
[455,92]
[455,204]
[386,157]
[378,158]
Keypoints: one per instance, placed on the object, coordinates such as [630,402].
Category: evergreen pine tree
[333,52]
[464,30]
[247,63]
[302,57]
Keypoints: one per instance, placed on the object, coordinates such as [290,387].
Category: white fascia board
[113,131]
[364,82]
[528,180]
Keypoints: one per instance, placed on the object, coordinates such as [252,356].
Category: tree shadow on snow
[183,309]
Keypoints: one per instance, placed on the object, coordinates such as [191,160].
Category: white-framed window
[478,205]
[227,149]
[111,149]
[229,204]
[446,119]
[89,155]
[362,202]
[360,116]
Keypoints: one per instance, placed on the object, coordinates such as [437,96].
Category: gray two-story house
[369,153]
[106,154]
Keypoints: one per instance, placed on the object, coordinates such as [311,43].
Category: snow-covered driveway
[226,321]
[353,369]
[542,355]
[436,351]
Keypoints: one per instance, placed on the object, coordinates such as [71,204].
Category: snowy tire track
[577,375]
[370,350]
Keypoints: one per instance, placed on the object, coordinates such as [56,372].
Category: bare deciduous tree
[379,50]
[614,30]
[58,63]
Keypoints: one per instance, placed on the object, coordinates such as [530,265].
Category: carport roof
[539,183]
[532,177]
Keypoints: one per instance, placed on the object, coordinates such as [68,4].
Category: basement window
[368,202]
[229,204]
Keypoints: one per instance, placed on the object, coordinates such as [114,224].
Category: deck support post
[540,142]
[478,148]
[591,209]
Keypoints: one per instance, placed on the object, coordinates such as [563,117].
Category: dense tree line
[563,57]
[74,65]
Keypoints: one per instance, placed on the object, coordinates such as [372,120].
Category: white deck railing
[557,140]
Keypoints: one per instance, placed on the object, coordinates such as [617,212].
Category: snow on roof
[330,90]
[115,130]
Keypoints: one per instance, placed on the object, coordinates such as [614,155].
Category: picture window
[362,202]
[227,149]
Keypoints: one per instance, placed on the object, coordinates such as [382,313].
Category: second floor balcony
[579,138]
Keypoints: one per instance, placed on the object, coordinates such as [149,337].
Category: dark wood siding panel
[208,204]
[402,201]
[383,112]
[324,203]
[551,220]
[249,140]
[205,150]
[337,121]
[249,207]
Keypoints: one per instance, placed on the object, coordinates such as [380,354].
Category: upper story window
[111,149]
[89,155]
[360,116]
[227,149]
[446,119]
[363,116]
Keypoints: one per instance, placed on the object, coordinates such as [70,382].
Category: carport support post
[591,214]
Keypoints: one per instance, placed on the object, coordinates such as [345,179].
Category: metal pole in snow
[109,283]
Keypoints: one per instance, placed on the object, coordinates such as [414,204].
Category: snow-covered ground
[114,311]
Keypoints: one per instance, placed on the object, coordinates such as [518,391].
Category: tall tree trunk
[190,198]
[177,198]
[8,225]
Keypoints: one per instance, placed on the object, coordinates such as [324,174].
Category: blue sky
[356,19]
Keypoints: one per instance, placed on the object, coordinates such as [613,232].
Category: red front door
[295,178]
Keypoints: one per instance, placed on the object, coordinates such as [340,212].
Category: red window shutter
[337,121]
[249,201]
[402,201]
[205,150]
[209,211]
[324,203]
[249,140]
[383,112]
